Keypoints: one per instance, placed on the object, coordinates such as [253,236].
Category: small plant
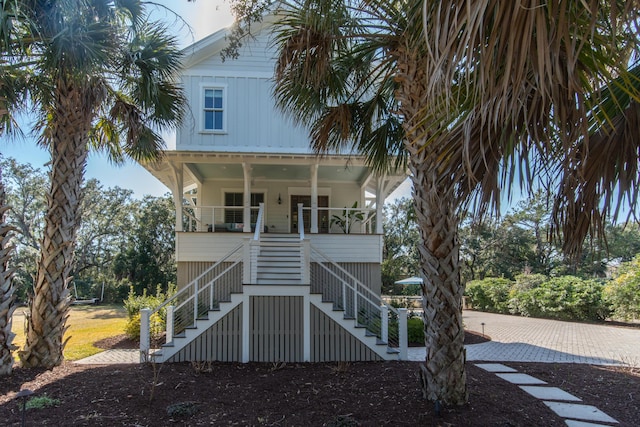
[341,367]
[41,402]
[183,409]
[348,218]
[201,367]
[134,303]
[276,366]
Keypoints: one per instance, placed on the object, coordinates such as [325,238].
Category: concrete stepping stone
[549,393]
[495,367]
[579,412]
[520,379]
[574,423]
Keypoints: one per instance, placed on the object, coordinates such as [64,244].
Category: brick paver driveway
[524,339]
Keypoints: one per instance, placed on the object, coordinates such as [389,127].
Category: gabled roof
[214,43]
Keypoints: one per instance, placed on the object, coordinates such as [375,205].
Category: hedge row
[564,298]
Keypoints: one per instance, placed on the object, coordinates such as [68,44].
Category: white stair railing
[259,221]
[194,300]
[359,302]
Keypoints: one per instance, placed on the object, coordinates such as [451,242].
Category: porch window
[214,117]
[236,199]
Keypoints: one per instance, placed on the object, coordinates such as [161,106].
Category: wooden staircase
[280,260]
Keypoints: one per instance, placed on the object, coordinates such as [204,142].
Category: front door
[323,214]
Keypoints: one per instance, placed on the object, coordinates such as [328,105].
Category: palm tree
[12,85]
[355,71]
[476,95]
[102,77]
[544,93]
[7,297]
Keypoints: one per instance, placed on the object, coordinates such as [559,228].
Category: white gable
[252,123]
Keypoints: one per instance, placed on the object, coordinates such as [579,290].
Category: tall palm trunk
[443,374]
[7,297]
[50,305]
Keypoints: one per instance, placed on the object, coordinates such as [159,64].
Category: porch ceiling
[211,171]
[209,166]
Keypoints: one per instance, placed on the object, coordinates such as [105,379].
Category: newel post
[145,336]
[384,323]
[169,322]
[402,333]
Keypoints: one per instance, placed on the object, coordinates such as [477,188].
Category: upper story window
[214,114]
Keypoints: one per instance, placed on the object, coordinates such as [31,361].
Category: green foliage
[564,298]
[415,331]
[134,303]
[491,294]
[41,402]
[183,409]
[623,292]
[148,258]
[400,250]
[348,219]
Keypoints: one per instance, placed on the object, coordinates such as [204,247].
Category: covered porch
[221,192]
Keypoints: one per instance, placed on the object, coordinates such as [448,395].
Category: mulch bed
[331,394]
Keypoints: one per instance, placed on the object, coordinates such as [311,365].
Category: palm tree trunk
[50,305]
[443,374]
[7,297]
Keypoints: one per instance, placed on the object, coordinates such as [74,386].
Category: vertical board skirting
[368,274]
[331,342]
[221,342]
[230,283]
[276,330]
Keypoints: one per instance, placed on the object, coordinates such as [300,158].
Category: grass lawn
[86,325]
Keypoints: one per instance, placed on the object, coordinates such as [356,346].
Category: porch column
[246,218]
[379,203]
[314,199]
[178,193]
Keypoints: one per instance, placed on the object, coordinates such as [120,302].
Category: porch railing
[347,220]
[335,221]
[212,218]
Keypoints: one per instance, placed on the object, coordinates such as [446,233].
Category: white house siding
[253,123]
[342,248]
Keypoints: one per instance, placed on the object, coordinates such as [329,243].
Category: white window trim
[225,111]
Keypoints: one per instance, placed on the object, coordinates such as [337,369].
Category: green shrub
[490,294]
[415,331]
[623,293]
[134,303]
[564,298]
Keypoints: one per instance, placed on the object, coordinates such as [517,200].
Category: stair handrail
[376,299]
[195,281]
[300,222]
[258,230]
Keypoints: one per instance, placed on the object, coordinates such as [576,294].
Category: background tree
[108,218]
[104,79]
[26,192]
[401,238]
[148,259]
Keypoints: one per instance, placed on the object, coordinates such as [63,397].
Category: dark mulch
[332,394]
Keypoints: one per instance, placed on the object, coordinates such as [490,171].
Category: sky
[196,21]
